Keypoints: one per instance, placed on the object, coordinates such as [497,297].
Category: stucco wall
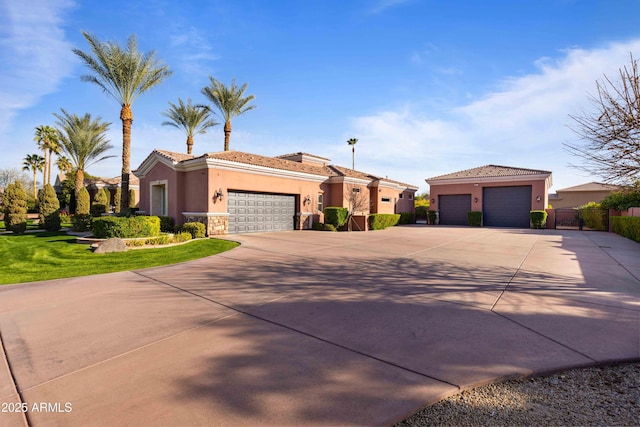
[574,199]
[159,173]
[538,189]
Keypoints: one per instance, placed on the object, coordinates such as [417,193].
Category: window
[320,202]
[400,196]
[356,190]
[410,196]
[386,200]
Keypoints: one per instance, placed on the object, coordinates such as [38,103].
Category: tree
[11,175]
[47,139]
[192,119]
[352,142]
[33,163]
[357,201]
[610,134]
[230,102]
[125,74]
[64,165]
[82,219]
[83,139]
[116,200]
[49,206]
[15,208]
[100,202]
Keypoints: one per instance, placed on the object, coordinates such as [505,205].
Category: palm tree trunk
[227,134]
[189,144]
[79,183]
[49,167]
[353,157]
[44,168]
[126,115]
[35,188]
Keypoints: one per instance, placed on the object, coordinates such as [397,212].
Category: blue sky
[428,87]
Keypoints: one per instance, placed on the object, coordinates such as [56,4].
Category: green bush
[336,216]
[65,218]
[406,218]
[182,237]
[83,204]
[421,212]
[196,229]
[593,216]
[116,200]
[622,200]
[81,222]
[432,216]
[49,205]
[99,205]
[15,208]
[538,219]
[135,226]
[382,221]
[318,226]
[626,226]
[474,218]
[132,198]
[162,239]
[166,224]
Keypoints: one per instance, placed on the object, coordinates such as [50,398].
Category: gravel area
[597,396]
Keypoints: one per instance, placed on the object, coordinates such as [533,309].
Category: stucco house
[573,197]
[238,192]
[505,195]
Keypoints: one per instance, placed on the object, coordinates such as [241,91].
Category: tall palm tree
[352,142]
[64,164]
[34,163]
[47,139]
[230,102]
[83,139]
[125,74]
[192,119]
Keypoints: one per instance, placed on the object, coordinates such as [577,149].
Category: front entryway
[256,212]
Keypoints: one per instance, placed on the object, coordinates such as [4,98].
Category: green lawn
[42,256]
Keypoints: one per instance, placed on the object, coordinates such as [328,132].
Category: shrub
[15,208]
[622,200]
[65,218]
[626,226]
[116,201]
[382,221]
[432,216]
[318,226]
[162,239]
[538,219]
[182,237]
[421,212]
[593,216]
[123,227]
[83,202]
[132,198]
[196,229]
[474,218]
[336,216]
[81,222]
[166,224]
[406,218]
[99,205]
[135,242]
[49,205]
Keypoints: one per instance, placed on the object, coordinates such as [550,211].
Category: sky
[428,87]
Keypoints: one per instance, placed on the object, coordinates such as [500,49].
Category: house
[238,192]
[505,195]
[573,197]
[96,183]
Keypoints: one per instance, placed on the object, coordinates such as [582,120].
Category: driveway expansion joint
[16,389]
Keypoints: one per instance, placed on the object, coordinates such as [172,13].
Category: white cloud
[34,53]
[194,51]
[523,124]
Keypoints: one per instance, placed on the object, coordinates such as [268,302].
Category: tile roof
[592,186]
[489,171]
[174,156]
[303,154]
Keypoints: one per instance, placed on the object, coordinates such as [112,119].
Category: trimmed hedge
[474,218]
[196,229]
[48,205]
[318,226]
[432,216]
[626,226]
[407,218]
[166,224]
[336,216]
[134,226]
[382,221]
[538,219]
[421,212]
[81,222]
[182,237]
[15,208]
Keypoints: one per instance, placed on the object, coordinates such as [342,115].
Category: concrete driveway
[310,327]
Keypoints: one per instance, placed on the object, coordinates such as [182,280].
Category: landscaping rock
[111,245]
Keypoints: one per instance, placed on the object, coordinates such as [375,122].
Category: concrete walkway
[301,328]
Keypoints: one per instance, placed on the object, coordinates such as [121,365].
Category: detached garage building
[505,195]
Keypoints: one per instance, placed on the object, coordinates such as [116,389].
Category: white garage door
[255,212]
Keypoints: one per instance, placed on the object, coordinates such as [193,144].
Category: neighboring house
[237,192]
[505,195]
[573,197]
[95,184]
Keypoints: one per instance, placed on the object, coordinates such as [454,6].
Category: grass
[43,256]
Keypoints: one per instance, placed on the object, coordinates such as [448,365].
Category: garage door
[254,212]
[506,206]
[454,208]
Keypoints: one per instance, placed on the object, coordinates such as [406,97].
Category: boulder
[111,245]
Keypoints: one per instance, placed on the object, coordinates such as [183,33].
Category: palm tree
[352,142]
[83,139]
[230,102]
[34,163]
[124,74]
[64,164]
[192,119]
[47,139]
